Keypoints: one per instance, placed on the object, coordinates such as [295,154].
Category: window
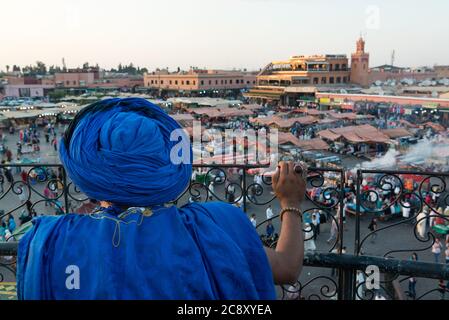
[323,80]
[170,82]
[248,82]
[343,67]
[182,82]
[152,81]
[216,81]
[155,81]
[74,83]
[162,81]
[202,82]
[221,81]
[331,66]
[176,82]
[230,81]
[338,79]
[315,80]
[226,81]
[364,66]
[331,80]
[210,82]
[345,80]
[337,67]
[24,92]
[68,82]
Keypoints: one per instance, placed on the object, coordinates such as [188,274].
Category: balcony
[336,269]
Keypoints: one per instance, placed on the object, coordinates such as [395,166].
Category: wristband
[296,210]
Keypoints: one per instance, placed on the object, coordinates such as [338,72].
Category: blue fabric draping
[200,251]
[122,154]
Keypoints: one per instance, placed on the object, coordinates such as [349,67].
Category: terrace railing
[344,267]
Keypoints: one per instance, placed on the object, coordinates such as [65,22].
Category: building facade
[118,83]
[199,80]
[75,79]
[306,70]
[288,82]
[27,90]
[441,71]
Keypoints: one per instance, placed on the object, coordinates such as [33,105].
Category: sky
[219,34]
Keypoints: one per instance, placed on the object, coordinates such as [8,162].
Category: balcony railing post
[392,286]
[357,213]
[341,209]
[346,284]
[65,190]
[344,279]
[244,189]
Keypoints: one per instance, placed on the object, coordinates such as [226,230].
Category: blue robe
[200,251]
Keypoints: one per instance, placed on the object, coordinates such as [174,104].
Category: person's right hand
[288,185]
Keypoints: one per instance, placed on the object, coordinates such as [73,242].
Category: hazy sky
[219,33]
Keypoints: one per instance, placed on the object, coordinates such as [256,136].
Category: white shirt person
[269,213]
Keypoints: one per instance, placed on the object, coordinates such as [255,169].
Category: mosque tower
[360,64]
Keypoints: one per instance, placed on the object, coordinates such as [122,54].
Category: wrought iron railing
[387,195]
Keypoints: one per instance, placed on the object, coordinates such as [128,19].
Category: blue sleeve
[236,224]
[22,257]
[32,269]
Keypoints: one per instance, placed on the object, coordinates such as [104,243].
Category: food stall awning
[329,135]
[408,124]
[355,134]
[395,133]
[435,126]
[313,144]
[182,117]
[345,116]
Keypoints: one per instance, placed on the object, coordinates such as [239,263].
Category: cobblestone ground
[400,237]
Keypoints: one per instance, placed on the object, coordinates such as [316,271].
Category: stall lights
[26,108]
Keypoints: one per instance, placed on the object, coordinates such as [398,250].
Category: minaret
[360,64]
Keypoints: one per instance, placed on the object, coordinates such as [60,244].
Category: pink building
[74,79]
[128,82]
[27,90]
[197,80]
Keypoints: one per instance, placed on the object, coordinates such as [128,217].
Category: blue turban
[119,150]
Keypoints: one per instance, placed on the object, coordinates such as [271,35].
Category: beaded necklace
[118,216]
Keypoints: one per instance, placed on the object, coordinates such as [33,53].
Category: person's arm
[287,259]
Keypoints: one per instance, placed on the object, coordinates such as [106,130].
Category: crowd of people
[28,140]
